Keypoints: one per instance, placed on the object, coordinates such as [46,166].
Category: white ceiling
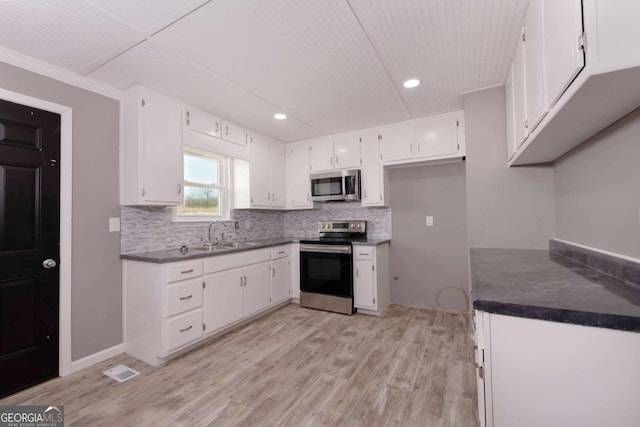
[331,65]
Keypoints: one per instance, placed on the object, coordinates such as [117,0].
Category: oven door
[326,270]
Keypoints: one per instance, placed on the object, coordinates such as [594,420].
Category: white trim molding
[98,357]
[66,142]
[60,74]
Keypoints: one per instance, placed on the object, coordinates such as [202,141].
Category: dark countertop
[172,255]
[544,285]
[372,242]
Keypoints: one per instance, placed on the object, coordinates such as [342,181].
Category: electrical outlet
[236,225]
[114,225]
[429,221]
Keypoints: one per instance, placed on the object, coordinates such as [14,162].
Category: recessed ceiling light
[280,116]
[411,83]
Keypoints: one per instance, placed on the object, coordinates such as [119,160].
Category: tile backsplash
[148,228]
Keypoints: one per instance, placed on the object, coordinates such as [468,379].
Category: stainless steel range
[326,266]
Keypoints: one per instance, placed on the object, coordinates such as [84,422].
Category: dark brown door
[29,236]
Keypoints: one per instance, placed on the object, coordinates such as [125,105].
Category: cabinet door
[563,57]
[277,174]
[346,150]
[321,155]
[161,151]
[510,116]
[519,95]
[257,290]
[222,301]
[233,133]
[203,122]
[397,142]
[280,283]
[297,176]
[371,176]
[534,54]
[437,135]
[259,175]
[364,285]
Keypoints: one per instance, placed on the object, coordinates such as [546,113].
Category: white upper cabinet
[259,175]
[534,54]
[341,151]
[372,185]
[590,77]
[277,173]
[321,155]
[346,150]
[429,138]
[437,136]
[202,121]
[233,133]
[563,58]
[298,187]
[151,149]
[267,177]
[396,142]
[519,95]
[510,104]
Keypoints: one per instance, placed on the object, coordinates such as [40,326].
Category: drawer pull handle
[363,254]
[186,329]
[187,297]
[187,271]
[280,252]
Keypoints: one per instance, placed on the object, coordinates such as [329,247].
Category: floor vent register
[121,373]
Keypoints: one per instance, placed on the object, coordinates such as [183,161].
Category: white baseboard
[98,357]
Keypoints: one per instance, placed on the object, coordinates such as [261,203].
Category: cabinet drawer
[184,270]
[280,252]
[363,252]
[183,329]
[184,296]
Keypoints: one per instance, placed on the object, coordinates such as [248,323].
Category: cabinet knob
[179,188]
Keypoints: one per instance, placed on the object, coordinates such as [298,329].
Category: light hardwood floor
[294,367]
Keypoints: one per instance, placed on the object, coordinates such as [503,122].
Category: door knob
[49,263]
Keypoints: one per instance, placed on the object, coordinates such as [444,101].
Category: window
[205,187]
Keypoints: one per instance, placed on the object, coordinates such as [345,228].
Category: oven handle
[326,249]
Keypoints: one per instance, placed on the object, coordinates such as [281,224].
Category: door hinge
[204,285]
[374,300]
[524,34]
[457,123]
[360,139]
[458,147]
[481,372]
[373,268]
[379,137]
[360,161]
[142,102]
[582,41]
[204,327]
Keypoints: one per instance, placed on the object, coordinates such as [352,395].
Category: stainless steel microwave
[336,186]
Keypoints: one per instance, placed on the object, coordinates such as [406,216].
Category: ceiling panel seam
[384,66]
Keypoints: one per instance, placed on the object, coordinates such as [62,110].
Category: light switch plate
[429,221]
[114,225]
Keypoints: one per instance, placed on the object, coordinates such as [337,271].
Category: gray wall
[430,263]
[597,189]
[96,282]
[507,207]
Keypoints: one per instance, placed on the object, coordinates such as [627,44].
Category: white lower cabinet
[541,373]
[280,274]
[371,291]
[171,307]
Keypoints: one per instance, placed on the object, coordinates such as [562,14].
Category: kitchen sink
[208,247]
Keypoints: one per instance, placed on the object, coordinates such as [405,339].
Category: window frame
[224,187]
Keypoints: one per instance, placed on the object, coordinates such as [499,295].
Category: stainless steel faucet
[211,225]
